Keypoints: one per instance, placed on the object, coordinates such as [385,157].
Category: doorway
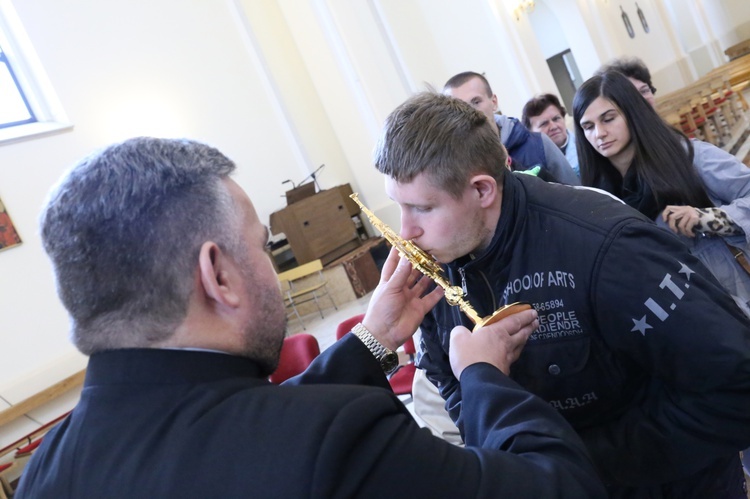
[566,75]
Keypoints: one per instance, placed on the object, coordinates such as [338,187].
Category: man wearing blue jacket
[638,345]
[526,149]
[160,260]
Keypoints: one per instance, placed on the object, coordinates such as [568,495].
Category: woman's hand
[681,219]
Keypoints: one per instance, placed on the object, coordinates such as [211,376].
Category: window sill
[32,130]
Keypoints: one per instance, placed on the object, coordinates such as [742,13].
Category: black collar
[152,365]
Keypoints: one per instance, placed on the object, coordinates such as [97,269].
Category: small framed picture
[8,235]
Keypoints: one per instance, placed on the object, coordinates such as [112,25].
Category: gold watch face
[389,362]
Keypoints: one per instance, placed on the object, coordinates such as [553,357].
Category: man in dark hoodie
[526,149]
[638,346]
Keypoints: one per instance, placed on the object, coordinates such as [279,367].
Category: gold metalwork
[426,264]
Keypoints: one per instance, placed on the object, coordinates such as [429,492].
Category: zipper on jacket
[465,290]
[463,281]
[495,305]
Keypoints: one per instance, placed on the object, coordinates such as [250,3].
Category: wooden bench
[738,50]
[709,109]
[737,70]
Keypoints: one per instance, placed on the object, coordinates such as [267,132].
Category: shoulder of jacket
[576,204]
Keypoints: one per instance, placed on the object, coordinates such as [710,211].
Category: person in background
[636,71]
[526,149]
[692,188]
[638,345]
[160,261]
[545,114]
[428,405]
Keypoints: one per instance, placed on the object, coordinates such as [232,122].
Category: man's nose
[408,229]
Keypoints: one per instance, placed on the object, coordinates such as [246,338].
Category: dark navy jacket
[186,424]
[638,346]
[529,149]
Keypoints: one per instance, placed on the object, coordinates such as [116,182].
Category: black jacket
[638,347]
[529,149]
[184,424]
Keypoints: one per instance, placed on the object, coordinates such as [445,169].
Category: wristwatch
[388,358]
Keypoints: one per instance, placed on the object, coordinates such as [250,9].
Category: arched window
[14,107]
[28,103]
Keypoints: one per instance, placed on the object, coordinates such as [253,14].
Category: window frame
[4,59]
[32,81]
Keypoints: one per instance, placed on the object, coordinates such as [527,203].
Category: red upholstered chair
[401,380]
[347,325]
[28,449]
[297,353]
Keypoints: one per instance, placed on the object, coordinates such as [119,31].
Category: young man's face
[443,226]
[474,93]
[552,124]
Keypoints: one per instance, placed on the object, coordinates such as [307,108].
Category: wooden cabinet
[319,226]
[360,266]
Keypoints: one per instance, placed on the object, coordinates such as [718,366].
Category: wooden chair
[683,119]
[303,284]
[738,50]
[711,108]
[721,95]
[718,112]
[674,119]
[704,120]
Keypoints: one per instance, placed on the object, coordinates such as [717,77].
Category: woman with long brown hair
[696,190]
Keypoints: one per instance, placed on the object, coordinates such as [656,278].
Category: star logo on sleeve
[684,269]
[640,325]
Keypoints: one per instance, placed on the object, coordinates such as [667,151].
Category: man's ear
[494,103]
[485,188]
[218,275]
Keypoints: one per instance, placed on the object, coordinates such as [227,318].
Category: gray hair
[124,229]
[443,137]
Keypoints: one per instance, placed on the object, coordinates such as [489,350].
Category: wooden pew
[738,50]
[709,109]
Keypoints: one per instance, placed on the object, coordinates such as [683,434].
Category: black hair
[663,156]
[632,67]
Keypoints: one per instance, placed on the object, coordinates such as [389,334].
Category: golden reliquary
[426,264]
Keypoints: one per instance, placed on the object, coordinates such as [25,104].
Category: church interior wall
[281,87]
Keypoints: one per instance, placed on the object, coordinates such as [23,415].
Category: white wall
[729,20]
[281,86]
[121,70]
[544,22]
